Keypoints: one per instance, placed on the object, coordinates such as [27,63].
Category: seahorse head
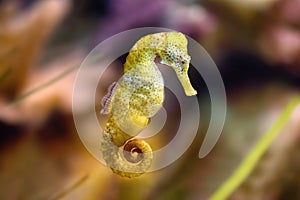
[174,54]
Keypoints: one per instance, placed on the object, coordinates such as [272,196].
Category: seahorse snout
[186,84]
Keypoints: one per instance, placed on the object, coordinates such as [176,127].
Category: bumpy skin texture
[137,97]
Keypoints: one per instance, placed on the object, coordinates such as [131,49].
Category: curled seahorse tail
[130,160]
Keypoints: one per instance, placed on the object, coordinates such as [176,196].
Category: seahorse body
[137,97]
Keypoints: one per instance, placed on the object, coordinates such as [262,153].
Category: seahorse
[137,96]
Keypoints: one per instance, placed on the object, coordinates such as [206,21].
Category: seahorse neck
[140,59]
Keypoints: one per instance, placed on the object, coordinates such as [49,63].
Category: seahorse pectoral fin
[185,82]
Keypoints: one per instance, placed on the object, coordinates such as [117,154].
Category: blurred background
[255,44]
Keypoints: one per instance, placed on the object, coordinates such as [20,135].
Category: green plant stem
[247,166]
[92,60]
[71,188]
[5,75]
[48,83]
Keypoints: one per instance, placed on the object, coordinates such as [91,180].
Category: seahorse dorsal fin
[106,100]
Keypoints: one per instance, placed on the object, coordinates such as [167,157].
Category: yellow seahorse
[137,97]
